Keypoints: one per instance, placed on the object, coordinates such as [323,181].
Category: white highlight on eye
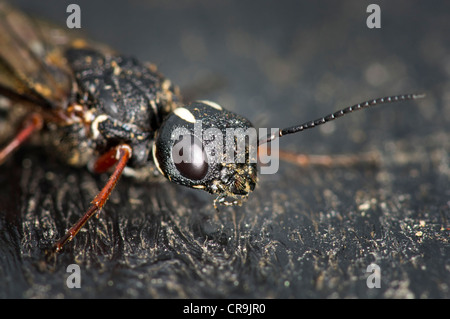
[185,114]
[212,104]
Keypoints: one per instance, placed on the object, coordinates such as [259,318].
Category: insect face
[204,146]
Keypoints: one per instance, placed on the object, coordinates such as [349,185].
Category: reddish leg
[371,158]
[32,124]
[105,162]
[122,155]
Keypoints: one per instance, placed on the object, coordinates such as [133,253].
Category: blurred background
[305,232]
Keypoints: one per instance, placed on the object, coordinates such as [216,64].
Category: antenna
[335,115]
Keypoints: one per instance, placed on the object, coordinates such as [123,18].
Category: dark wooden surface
[304,232]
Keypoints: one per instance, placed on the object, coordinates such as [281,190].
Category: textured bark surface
[304,232]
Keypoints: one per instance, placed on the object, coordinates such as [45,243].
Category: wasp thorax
[204,146]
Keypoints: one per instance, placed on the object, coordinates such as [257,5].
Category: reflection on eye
[190,158]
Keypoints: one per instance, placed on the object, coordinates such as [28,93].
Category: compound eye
[190,158]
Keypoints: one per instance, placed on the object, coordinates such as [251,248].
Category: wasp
[93,107]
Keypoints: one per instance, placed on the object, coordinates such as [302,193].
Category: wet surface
[306,232]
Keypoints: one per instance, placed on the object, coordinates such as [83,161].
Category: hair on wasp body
[93,107]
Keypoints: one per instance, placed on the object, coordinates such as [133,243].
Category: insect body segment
[189,150]
[128,101]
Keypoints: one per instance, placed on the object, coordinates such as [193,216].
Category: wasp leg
[105,162]
[221,199]
[32,124]
[122,155]
[343,160]
[346,160]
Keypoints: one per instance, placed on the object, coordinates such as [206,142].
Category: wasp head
[203,146]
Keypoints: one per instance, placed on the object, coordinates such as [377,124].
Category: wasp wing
[32,66]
